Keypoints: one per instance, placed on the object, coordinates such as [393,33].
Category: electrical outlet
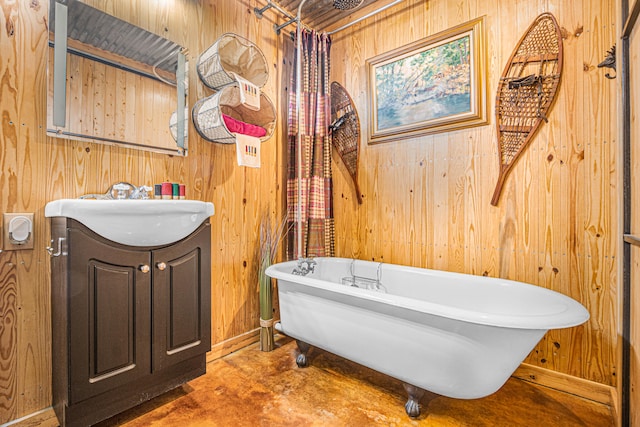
[17,231]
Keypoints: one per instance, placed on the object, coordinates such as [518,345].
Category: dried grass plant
[270,238]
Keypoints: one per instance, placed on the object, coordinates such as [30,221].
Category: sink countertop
[135,222]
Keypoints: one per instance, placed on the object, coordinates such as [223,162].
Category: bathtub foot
[301,360]
[412,407]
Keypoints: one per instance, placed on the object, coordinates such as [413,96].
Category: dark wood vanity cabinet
[129,323]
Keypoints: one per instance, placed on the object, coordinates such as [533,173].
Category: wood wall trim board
[233,344]
[591,390]
[43,418]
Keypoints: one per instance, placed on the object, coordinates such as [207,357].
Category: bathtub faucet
[305,266]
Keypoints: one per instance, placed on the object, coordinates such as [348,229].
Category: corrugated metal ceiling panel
[321,15]
[93,27]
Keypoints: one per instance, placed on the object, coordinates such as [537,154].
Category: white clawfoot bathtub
[453,334]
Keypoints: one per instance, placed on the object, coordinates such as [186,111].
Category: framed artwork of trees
[436,84]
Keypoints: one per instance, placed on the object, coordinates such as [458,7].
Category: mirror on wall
[112,82]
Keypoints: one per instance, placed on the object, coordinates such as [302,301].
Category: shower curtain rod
[293,19]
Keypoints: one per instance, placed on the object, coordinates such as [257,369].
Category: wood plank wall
[634,77]
[427,199]
[114,105]
[35,169]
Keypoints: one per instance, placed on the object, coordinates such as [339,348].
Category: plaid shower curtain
[315,177]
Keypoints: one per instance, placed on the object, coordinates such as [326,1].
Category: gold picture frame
[436,84]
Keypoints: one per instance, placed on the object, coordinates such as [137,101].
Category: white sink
[135,222]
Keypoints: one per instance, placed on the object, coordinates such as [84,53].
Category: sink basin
[135,222]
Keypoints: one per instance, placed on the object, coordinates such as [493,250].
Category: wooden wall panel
[35,169]
[25,367]
[107,103]
[556,223]
[634,86]
[426,199]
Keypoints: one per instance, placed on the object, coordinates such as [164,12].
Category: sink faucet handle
[142,192]
[122,190]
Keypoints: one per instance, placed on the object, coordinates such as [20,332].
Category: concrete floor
[254,388]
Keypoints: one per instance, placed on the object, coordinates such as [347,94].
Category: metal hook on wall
[609,61]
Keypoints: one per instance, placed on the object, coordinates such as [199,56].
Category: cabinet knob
[144,268]
[161,266]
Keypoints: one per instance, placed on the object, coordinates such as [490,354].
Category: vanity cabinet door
[182,299]
[109,315]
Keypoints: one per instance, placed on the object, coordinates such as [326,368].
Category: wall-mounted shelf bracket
[278,28]
[259,11]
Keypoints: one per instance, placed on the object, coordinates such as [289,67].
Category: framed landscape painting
[436,84]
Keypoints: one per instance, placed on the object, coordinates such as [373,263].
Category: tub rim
[574,313]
